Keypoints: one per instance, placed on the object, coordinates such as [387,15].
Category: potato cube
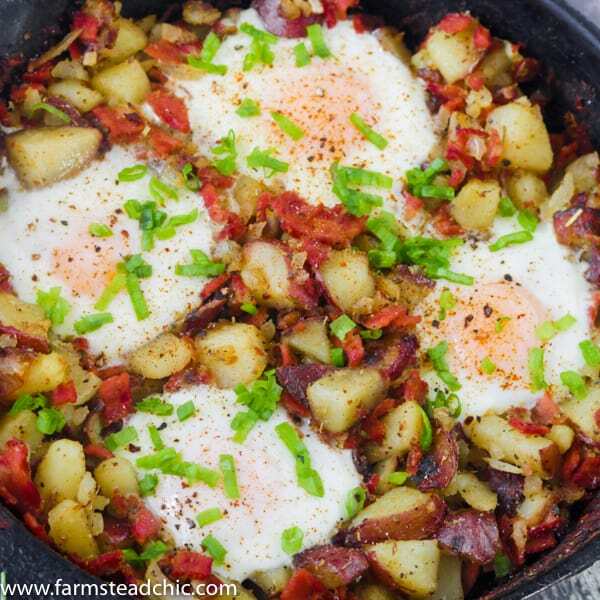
[581,413]
[527,190]
[28,318]
[126,82]
[116,475]
[76,93]
[474,492]
[70,530]
[45,373]
[310,338]
[453,54]
[162,357]
[476,204]
[21,426]
[585,172]
[130,40]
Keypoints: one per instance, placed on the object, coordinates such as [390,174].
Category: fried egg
[48,244]
[516,290]
[360,77]
[270,497]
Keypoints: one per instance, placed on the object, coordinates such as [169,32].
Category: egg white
[271,500]
[547,271]
[360,76]
[41,224]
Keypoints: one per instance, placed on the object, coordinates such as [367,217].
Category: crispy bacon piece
[170,109]
[508,487]
[333,566]
[353,348]
[199,319]
[189,565]
[192,376]
[592,273]
[115,393]
[372,425]
[527,427]
[331,226]
[116,531]
[13,364]
[275,22]
[455,23]
[392,355]
[471,534]
[414,388]
[166,52]
[33,524]
[214,285]
[295,379]
[26,341]
[303,585]
[546,410]
[577,226]
[234,227]
[144,525]
[294,407]
[5,284]
[97,451]
[210,175]
[393,315]
[16,487]
[162,143]
[581,467]
[109,563]
[65,393]
[445,224]
[482,38]
[120,123]
[336,10]
[40,75]
[89,26]
[439,466]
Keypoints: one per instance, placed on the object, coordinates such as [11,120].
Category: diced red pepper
[455,23]
[190,565]
[115,393]
[16,487]
[65,393]
[170,109]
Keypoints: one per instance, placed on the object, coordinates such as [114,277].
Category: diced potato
[60,472]
[45,155]
[310,338]
[246,192]
[339,399]
[474,492]
[130,40]
[494,434]
[45,373]
[347,278]
[496,68]
[70,530]
[21,426]
[126,82]
[409,566]
[526,143]
[70,69]
[28,318]
[76,93]
[196,12]
[86,383]
[585,172]
[273,580]
[266,272]
[526,189]
[165,355]
[581,413]
[537,503]
[476,204]
[373,591]
[403,427]
[560,198]
[563,436]
[233,352]
[449,585]
[116,475]
[384,468]
[453,55]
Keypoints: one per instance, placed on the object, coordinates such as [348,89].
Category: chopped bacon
[287,355]
[413,460]
[189,565]
[162,143]
[475,81]
[316,253]
[444,222]
[494,149]
[527,69]
[199,319]
[452,97]
[16,487]
[414,388]
[170,109]
[581,467]
[508,487]
[26,341]
[18,94]
[372,424]
[295,408]
[295,379]
[333,566]
[472,535]
[116,531]
[469,574]
[109,563]
[577,226]
[97,451]
[36,527]
[546,410]
[115,393]
[440,464]
[234,227]
[331,226]
[482,38]
[527,427]
[372,483]
[455,23]
[392,355]
[192,376]
[166,52]
[89,26]
[42,74]
[353,348]
[14,362]
[122,124]
[303,585]
[65,393]
[210,175]
[4,120]
[412,206]
[144,525]
[394,315]
[214,285]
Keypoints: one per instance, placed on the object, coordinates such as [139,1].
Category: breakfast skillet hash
[283,304]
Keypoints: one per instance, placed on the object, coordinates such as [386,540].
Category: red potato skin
[295,379]
[438,467]
[418,523]
[333,566]
[508,487]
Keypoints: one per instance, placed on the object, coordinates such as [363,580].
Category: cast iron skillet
[551,31]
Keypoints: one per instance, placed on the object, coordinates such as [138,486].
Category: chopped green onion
[132,173]
[517,237]
[155,406]
[157,460]
[501,323]
[536,369]
[27,402]
[502,565]
[338,358]
[161,192]
[308,478]
[420,181]
[132,283]
[590,353]
[116,284]
[451,276]
[302,55]
[201,266]
[186,410]
[147,484]
[291,540]
[248,108]
[50,421]
[368,132]
[527,220]
[243,423]
[100,230]
[397,477]
[315,35]
[93,322]
[450,402]
[264,159]
[342,326]
[487,366]
[293,131]
[214,548]
[249,308]
[371,334]
[190,178]
[155,438]
[549,329]
[193,473]
[258,34]
[438,192]
[51,110]
[437,355]
[426,438]
[576,384]
[209,516]
[227,149]
[152,551]
[358,203]
[506,208]
[260,50]
[447,302]
[230,484]
[54,306]
[121,438]
[133,208]
[355,176]
[204,61]
[355,501]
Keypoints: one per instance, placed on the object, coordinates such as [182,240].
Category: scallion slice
[111,291]
[536,369]
[437,355]
[121,438]
[248,108]
[510,239]
[590,352]
[355,501]
[315,35]
[155,438]
[208,516]
[397,478]
[134,289]
[147,484]
[302,55]
[230,484]
[55,307]
[368,132]
[291,540]
[295,132]
[342,326]
[576,384]
[214,548]
[155,406]
[100,230]
[264,159]
[338,358]
[134,173]
[50,421]
[51,110]
[186,410]
[90,323]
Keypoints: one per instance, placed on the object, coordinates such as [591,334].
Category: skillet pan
[569,48]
